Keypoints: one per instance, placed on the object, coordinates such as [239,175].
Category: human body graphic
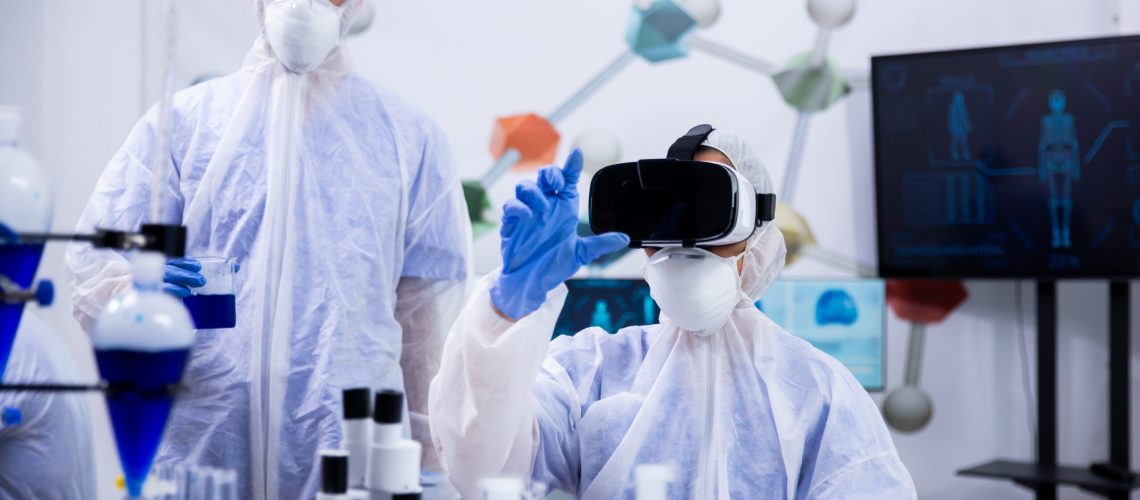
[958,121]
[1059,165]
[601,317]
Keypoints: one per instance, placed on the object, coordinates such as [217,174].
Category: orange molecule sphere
[533,136]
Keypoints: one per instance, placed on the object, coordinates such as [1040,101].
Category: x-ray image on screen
[1018,161]
[610,304]
[844,318]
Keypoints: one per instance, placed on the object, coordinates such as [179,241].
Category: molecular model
[664,30]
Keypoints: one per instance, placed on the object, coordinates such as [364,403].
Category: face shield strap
[685,147]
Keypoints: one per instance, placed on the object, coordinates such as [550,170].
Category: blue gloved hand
[182,274]
[540,242]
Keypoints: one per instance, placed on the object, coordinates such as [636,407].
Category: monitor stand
[1113,480]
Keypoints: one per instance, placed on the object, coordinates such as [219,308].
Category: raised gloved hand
[182,274]
[540,243]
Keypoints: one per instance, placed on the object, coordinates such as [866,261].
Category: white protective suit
[342,205]
[746,412]
[49,454]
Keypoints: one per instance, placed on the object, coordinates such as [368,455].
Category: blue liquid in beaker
[18,263]
[140,405]
[212,311]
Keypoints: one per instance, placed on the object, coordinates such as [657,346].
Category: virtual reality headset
[677,201]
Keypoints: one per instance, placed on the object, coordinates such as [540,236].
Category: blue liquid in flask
[140,409]
[212,311]
[18,263]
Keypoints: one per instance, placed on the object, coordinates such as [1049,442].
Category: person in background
[342,205]
[737,406]
[48,454]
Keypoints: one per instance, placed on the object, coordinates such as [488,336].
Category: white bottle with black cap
[394,464]
[357,433]
[501,488]
[652,481]
[334,475]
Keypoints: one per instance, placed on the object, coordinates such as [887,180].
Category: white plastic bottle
[394,463]
[335,465]
[357,423]
[652,481]
[501,488]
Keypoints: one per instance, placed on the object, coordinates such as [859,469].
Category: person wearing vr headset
[737,406]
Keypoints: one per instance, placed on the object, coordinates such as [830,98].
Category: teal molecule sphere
[657,33]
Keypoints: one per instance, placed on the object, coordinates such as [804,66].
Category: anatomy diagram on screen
[959,124]
[997,162]
[1059,158]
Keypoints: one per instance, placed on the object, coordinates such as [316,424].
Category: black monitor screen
[1019,162]
[609,304]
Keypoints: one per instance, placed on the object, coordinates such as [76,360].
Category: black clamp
[169,239]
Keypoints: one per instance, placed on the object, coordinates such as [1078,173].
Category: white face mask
[302,32]
[695,288]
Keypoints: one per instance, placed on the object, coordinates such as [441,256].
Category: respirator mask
[302,33]
[695,288]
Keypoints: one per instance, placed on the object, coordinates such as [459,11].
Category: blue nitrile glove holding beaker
[206,286]
[180,275]
[540,243]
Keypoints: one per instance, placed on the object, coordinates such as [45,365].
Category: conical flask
[25,206]
[142,341]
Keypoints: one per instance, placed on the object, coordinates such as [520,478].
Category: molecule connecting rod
[603,77]
[732,55]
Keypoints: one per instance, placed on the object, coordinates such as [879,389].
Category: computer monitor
[610,304]
[1009,162]
[845,318]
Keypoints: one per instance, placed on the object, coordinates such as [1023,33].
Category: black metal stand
[50,387]
[1045,475]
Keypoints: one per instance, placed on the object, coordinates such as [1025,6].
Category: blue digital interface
[1019,161]
[610,304]
[843,318]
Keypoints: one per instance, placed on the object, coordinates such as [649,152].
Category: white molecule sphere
[706,12]
[363,19]
[599,149]
[831,13]
[907,409]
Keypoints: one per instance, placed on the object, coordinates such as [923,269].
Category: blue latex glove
[182,274]
[540,242]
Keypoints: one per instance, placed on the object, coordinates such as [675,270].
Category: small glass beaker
[214,304]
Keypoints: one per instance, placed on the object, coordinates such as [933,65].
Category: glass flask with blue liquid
[142,341]
[25,207]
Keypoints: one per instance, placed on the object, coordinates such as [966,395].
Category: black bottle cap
[357,403]
[407,496]
[334,472]
[389,407]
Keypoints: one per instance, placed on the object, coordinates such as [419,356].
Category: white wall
[81,72]
[74,69]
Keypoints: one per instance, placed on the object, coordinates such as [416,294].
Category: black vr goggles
[677,201]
